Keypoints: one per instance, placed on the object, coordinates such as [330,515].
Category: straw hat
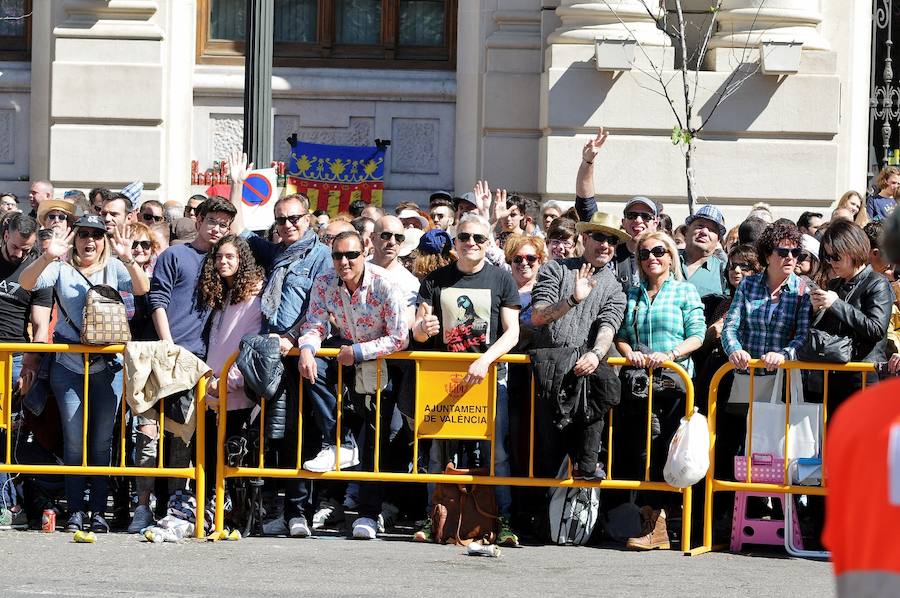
[48,205]
[604,223]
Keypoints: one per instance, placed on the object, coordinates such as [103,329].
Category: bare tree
[688,128]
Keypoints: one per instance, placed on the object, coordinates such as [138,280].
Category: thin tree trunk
[689,170]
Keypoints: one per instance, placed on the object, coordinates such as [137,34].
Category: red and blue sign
[257,190]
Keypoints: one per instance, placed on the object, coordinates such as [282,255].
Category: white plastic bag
[805,427]
[688,459]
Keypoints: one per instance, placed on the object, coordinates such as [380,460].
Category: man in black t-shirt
[18,308]
[473,306]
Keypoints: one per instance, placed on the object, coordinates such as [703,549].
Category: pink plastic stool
[745,530]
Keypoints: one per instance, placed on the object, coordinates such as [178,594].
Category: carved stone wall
[15,107]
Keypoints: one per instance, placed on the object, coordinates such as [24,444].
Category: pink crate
[765,468]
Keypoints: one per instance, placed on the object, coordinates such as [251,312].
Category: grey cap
[640,199]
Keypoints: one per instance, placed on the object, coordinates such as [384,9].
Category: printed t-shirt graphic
[466,317]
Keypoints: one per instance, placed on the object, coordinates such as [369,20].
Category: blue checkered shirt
[748,327]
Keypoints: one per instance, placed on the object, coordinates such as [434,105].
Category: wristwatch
[599,355]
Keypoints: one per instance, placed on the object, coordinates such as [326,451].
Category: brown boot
[655,533]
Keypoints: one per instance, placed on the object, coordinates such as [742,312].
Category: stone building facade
[111,91]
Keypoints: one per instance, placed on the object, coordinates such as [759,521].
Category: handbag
[805,426]
[826,347]
[464,512]
[636,381]
[104,319]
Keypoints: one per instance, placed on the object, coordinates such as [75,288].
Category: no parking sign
[258,198]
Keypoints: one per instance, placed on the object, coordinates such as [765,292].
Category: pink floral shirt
[373,317]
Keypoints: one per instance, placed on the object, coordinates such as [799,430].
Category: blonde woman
[663,322]
[89,252]
[853,201]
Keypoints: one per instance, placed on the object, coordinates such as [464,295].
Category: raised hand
[584,284]
[238,168]
[592,147]
[500,210]
[482,192]
[60,243]
[122,241]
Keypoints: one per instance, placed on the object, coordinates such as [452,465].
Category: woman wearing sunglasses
[663,322]
[525,255]
[89,252]
[856,304]
[769,315]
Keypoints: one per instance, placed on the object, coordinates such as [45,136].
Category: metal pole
[258,82]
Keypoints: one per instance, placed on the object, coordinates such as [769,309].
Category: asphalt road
[32,563]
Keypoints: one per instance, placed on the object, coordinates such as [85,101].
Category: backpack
[573,512]
[463,512]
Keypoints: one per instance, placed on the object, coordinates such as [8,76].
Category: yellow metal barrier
[196,473]
[713,485]
[455,364]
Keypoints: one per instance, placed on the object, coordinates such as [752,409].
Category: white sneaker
[364,528]
[299,527]
[329,513]
[324,461]
[275,527]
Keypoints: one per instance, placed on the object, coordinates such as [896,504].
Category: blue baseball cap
[709,212]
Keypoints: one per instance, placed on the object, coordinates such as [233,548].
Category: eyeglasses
[148,217]
[386,236]
[145,245]
[783,252]
[350,255]
[741,267]
[599,237]
[828,257]
[57,217]
[293,219]
[531,259]
[561,243]
[328,239]
[642,215]
[93,234]
[465,237]
[657,252]
[211,223]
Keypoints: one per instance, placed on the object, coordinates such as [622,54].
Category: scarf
[271,299]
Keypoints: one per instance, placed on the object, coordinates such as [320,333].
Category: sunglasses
[93,234]
[642,215]
[531,259]
[350,255]
[828,257]
[386,236]
[804,257]
[293,219]
[57,217]
[783,252]
[657,252]
[145,245]
[599,237]
[147,217]
[465,237]
[741,267]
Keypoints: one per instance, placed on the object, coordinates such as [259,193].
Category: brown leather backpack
[463,512]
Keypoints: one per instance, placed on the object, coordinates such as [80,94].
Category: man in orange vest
[862,518]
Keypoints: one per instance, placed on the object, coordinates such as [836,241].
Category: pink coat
[227,329]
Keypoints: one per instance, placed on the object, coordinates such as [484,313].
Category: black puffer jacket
[260,363]
[865,318]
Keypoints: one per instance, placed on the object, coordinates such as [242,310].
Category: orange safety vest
[862,465]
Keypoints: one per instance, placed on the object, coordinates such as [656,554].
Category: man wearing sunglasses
[152,212]
[473,306]
[641,213]
[579,304]
[387,238]
[291,267]
[367,313]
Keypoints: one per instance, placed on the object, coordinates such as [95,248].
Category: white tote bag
[688,459]
[769,423]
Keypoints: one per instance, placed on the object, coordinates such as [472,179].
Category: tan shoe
[656,536]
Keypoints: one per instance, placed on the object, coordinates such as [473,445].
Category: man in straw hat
[579,305]
[56,214]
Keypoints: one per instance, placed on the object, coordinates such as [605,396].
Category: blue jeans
[436,461]
[7,488]
[68,387]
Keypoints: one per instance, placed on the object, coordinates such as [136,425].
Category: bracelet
[570,301]
[586,162]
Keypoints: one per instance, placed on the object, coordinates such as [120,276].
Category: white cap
[810,244]
[411,242]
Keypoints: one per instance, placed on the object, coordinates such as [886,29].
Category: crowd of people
[486,272]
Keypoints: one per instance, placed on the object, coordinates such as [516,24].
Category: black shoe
[99,524]
[75,522]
